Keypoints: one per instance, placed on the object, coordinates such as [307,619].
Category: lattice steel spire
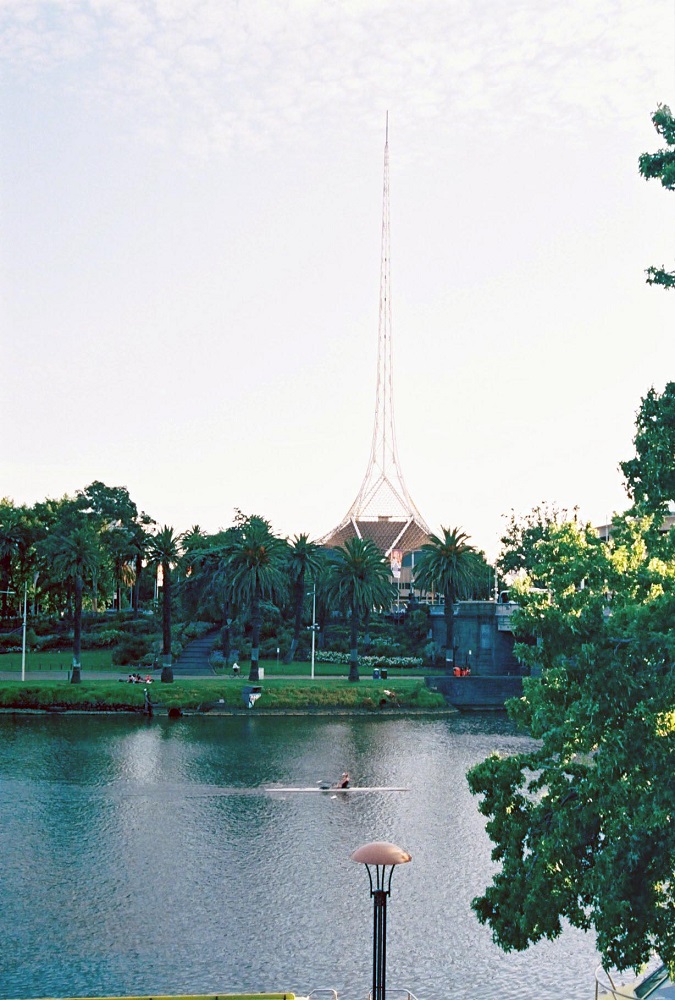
[383,509]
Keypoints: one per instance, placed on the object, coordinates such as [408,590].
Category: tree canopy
[650,474]
[450,566]
[662,166]
[359,580]
[583,821]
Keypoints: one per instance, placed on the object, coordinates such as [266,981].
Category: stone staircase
[194,660]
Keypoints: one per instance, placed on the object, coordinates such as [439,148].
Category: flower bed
[326,656]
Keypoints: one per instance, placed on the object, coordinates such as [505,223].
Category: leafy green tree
[193,540]
[650,475]
[255,564]
[359,580]
[123,533]
[207,590]
[303,564]
[164,550]
[522,535]
[661,165]
[121,553]
[111,504]
[449,566]
[581,821]
[75,557]
[139,543]
[18,533]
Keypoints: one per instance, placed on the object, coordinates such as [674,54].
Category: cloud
[238,72]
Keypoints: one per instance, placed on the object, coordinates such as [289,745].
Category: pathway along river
[142,856]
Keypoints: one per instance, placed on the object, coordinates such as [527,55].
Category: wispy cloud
[236,73]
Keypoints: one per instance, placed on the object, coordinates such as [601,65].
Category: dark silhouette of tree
[255,564]
[448,565]
[661,165]
[75,557]
[304,561]
[164,550]
[359,580]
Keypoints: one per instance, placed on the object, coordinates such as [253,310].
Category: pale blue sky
[190,212]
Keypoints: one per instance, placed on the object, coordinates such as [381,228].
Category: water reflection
[145,857]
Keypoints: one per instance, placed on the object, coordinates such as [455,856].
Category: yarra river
[143,857]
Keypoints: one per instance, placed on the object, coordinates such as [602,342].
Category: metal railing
[405,993]
[653,977]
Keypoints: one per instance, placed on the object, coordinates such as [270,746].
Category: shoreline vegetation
[222,695]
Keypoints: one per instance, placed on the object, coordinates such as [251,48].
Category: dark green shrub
[54,641]
[101,638]
[268,649]
[131,650]
[145,625]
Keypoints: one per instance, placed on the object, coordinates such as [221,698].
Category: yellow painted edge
[209,996]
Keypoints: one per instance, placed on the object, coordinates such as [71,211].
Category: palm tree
[255,563]
[118,541]
[359,581]
[19,531]
[10,542]
[139,542]
[164,551]
[448,565]
[75,556]
[304,559]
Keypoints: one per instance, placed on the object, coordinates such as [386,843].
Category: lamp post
[23,640]
[379,854]
[313,628]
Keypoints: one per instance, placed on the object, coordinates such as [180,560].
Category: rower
[343,782]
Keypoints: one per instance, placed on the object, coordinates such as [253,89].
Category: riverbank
[224,696]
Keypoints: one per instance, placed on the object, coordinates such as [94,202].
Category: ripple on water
[146,858]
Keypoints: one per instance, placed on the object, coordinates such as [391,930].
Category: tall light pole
[313,628]
[23,641]
[379,854]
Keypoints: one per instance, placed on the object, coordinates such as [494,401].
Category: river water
[142,856]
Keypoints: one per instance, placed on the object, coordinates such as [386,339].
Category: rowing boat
[342,791]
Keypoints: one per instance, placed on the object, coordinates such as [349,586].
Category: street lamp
[314,628]
[379,854]
[23,640]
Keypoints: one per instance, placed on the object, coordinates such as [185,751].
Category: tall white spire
[383,497]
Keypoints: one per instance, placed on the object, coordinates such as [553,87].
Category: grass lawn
[304,669]
[94,659]
[214,693]
[101,660]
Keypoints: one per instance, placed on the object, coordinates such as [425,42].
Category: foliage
[326,656]
[304,564]
[581,822]
[359,580]
[452,567]
[519,541]
[75,557]
[661,165]
[255,560]
[224,694]
[164,551]
[650,475]
[131,650]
